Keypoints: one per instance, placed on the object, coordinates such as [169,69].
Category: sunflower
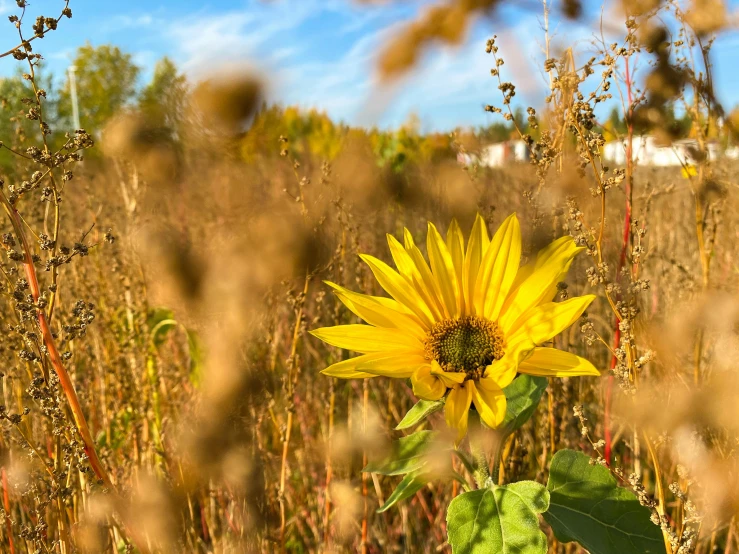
[464,324]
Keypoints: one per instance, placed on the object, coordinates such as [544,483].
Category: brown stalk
[56,361]
[53,352]
[290,412]
[329,467]
[52,180]
[660,492]
[23,43]
[365,476]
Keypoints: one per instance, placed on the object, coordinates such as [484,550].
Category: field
[162,390]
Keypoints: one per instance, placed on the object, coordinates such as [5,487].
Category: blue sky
[321,53]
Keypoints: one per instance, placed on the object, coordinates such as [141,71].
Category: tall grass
[161,394]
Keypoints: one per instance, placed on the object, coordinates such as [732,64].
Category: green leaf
[410,485]
[589,507]
[522,396]
[160,320]
[409,454]
[420,411]
[498,519]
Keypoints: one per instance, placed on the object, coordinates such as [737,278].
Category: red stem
[204,524]
[6,505]
[55,357]
[56,361]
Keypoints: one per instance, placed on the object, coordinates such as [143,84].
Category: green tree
[501,131]
[106,83]
[496,132]
[679,127]
[164,99]
[16,130]
[521,122]
[616,123]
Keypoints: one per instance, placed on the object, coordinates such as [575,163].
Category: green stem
[482,469]
[484,474]
[496,459]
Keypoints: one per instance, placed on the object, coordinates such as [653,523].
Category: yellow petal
[541,323]
[455,245]
[443,270]
[402,260]
[376,312]
[503,371]
[400,365]
[399,288]
[457,409]
[365,338]
[541,258]
[450,379]
[551,265]
[425,385]
[392,304]
[347,369]
[425,278]
[408,269]
[490,402]
[498,269]
[550,362]
[476,249]
[431,299]
[554,248]
[524,272]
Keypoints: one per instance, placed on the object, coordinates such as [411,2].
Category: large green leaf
[409,454]
[500,520]
[522,396]
[420,411]
[410,485]
[589,507]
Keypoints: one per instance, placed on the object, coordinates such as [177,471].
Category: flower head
[465,323]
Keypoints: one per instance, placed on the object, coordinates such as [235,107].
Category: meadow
[162,271]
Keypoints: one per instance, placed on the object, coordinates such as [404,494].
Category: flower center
[467,345]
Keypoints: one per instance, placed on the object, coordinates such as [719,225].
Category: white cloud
[356,24]
[128,21]
[64,54]
[341,86]
[332,66]
[267,39]
[239,35]
[451,85]
[145,58]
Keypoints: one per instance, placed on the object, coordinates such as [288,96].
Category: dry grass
[201,387]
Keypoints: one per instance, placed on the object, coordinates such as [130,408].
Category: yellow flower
[464,324]
[689,171]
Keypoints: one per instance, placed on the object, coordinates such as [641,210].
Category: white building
[504,153]
[647,151]
[466,159]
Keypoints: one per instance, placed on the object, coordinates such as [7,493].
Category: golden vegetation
[160,296]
